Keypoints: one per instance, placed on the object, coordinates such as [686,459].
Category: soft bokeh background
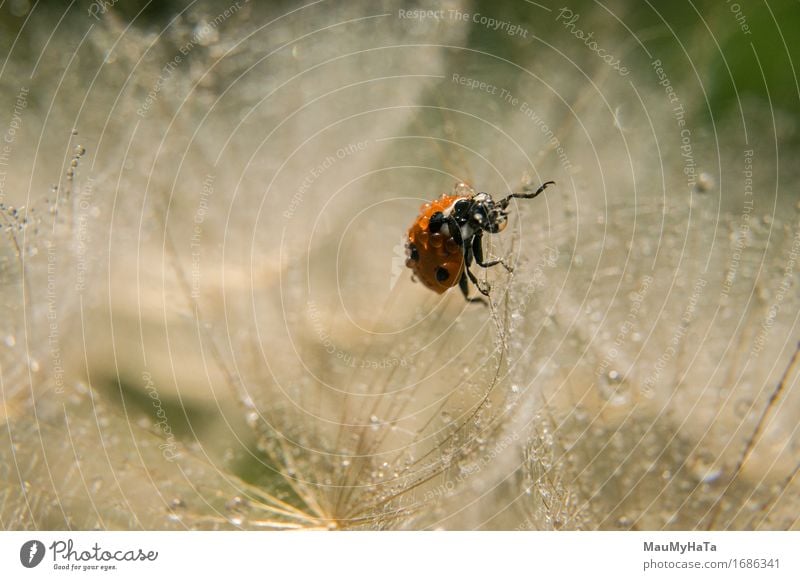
[206,318]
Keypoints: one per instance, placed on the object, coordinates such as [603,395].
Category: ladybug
[447,234]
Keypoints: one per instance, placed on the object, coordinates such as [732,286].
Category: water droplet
[614,389]
[463,189]
[252,419]
[711,476]
[705,182]
[236,503]
[206,34]
[704,469]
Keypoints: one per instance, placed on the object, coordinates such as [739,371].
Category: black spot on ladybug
[413,253]
[442,274]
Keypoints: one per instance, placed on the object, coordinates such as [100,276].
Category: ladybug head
[488,215]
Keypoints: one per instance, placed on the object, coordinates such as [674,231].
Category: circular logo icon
[31,553]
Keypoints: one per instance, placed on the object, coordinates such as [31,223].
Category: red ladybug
[447,235]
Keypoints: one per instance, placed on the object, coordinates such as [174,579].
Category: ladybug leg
[468,252]
[467,274]
[464,285]
[455,233]
[481,289]
[454,230]
[477,249]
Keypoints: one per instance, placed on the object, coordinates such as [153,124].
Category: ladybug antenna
[503,203]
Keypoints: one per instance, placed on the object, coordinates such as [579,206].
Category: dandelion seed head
[243,325]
